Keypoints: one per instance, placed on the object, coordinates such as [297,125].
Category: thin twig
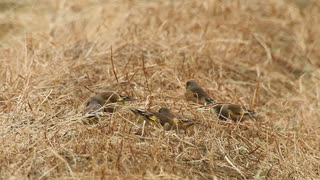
[265,46]
[89,89]
[63,160]
[114,71]
[144,123]
[145,74]
[112,64]
[255,95]
[238,170]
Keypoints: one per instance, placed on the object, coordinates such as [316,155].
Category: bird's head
[192,85]
[217,108]
[164,110]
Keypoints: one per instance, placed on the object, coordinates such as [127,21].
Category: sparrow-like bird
[104,102]
[233,112]
[166,118]
[146,115]
[176,122]
[196,94]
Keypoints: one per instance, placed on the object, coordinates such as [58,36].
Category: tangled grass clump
[262,55]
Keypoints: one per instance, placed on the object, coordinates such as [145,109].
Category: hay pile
[263,55]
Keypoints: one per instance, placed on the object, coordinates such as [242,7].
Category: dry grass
[55,55]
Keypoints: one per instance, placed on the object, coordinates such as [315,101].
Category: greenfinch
[149,116]
[175,122]
[196,94]
[165,118]
[233,112]
[104,102]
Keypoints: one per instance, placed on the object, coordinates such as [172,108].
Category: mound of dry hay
[263,55]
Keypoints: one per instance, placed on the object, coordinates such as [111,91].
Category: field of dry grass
[261,54]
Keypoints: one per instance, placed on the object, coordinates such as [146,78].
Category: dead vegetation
[263,55]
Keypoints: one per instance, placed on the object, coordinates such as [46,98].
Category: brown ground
[261,54]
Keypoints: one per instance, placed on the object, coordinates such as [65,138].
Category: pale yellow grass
[262,54]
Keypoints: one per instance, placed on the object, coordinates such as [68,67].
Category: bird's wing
[147,115]
[125,98]
[209,100]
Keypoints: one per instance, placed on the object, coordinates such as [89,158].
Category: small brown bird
[104,102]
[233,112]
[175,122]
[146,115]
[196,94]
[166,118]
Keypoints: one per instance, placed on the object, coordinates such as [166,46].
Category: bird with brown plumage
[196,94]
[104,102]
[233,112]
[166,119]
